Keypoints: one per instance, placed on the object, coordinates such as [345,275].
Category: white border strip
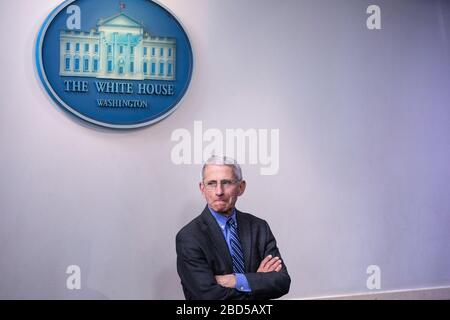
[429,293]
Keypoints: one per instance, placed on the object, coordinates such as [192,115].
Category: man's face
[220,188]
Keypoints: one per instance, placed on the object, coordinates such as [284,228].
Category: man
[225,253]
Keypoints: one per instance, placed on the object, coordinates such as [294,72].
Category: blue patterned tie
[236,250]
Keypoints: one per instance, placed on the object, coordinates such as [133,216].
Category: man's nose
[219,189]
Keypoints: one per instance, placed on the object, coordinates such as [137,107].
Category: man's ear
[201,186]
[242,186]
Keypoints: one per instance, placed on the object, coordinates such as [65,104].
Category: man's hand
[227,281]
[270,264]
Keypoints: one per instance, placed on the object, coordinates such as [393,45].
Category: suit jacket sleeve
[269,285]
[196,275]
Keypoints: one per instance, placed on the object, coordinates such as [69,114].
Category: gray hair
[223,161]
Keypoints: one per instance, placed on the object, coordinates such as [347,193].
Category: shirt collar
[221,219]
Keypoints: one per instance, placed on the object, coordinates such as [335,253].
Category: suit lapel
[245,237]
[217,238]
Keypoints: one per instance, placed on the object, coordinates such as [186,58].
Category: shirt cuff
[242,283]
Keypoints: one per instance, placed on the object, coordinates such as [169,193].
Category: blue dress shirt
[241,279]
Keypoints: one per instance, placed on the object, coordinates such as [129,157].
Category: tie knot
[230,222]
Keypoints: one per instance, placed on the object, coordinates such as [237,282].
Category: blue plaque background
[157,21]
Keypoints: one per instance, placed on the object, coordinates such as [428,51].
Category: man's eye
[226,182]
[211,183]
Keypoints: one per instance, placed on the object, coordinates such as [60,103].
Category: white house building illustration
[119,48]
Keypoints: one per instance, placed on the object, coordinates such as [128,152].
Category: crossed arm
[269,264]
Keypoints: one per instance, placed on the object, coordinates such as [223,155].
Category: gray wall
[364,152]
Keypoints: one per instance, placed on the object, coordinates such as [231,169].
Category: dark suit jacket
[202,253]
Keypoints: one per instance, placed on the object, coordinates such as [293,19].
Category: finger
[266,259]
[219,279]
[271,262]
[278,269]
[274,266]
